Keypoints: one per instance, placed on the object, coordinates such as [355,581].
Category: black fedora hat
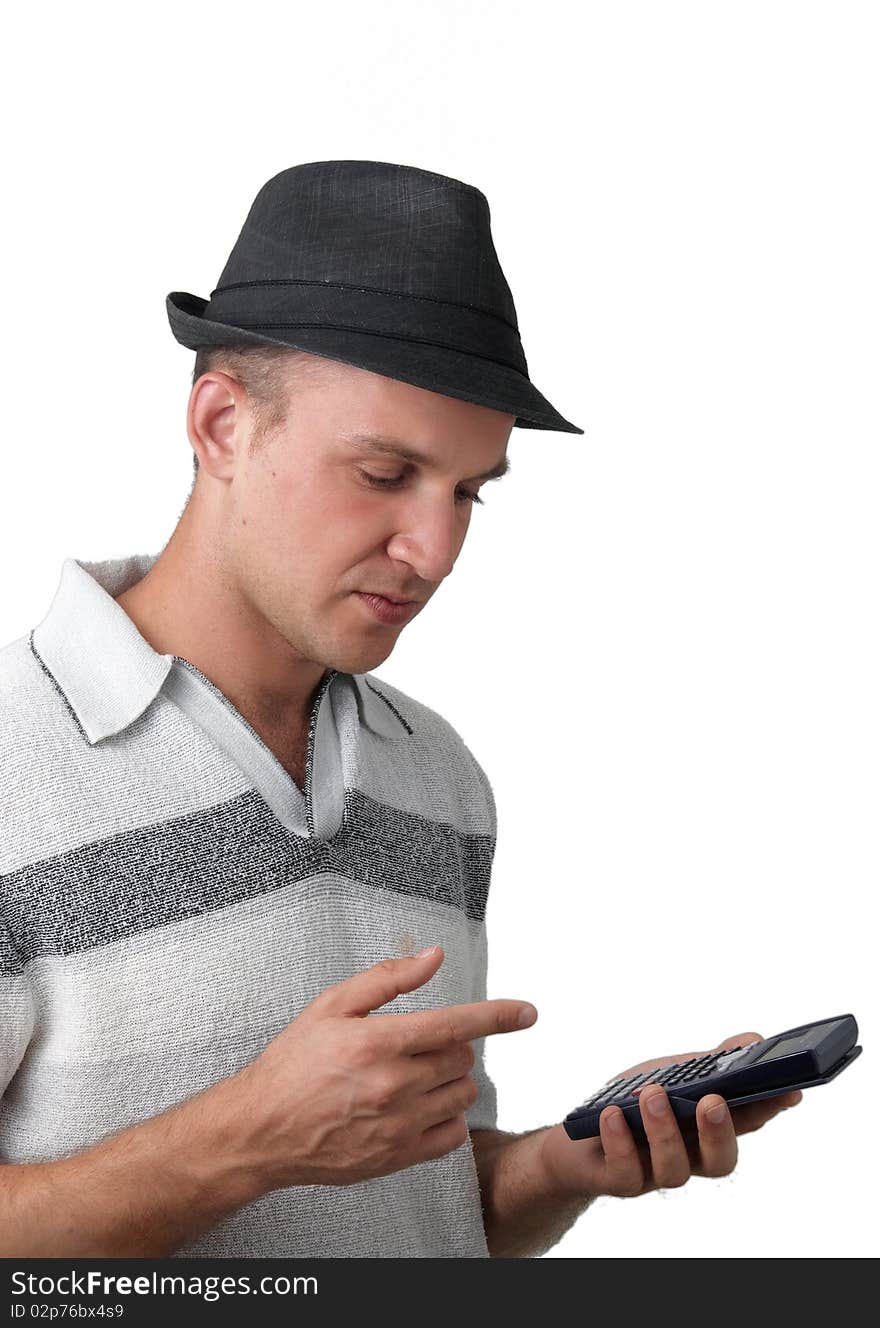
[390,268]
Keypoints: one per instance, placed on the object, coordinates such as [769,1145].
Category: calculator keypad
[668,1076]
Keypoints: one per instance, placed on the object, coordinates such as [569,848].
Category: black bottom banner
[204,1291]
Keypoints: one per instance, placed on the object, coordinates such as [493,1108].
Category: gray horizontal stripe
[155,875]
[10,960]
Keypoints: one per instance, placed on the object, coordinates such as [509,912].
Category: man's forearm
[143,1192]
[525,1211]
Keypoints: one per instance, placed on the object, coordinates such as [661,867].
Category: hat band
[394,314]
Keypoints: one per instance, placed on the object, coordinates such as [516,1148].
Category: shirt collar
[108,674]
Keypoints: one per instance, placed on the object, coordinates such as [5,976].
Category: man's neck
[186,605]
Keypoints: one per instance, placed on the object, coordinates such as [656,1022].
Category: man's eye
[384,482]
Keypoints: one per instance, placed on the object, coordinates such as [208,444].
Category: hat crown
[371,225]
[385,267]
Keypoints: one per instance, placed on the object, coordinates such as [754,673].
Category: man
[243,949]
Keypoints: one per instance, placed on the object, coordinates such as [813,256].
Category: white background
[661,638]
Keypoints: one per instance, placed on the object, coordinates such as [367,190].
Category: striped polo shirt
[170,900]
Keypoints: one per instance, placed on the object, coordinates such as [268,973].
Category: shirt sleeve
[483,1113]
[16,1010]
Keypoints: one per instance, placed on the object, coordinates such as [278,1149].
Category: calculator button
[733,1055]
[642,1079]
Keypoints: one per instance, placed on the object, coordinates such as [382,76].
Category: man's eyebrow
[382,444]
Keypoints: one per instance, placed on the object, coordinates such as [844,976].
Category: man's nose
[430,540]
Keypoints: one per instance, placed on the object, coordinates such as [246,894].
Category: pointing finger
[433,1030]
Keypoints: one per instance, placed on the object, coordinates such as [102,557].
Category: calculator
[798,1058]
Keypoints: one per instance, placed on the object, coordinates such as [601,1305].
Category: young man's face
[308,523]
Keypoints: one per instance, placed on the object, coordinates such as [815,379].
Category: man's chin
[362,658]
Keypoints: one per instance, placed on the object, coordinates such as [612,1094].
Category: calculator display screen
[786,1046]
[809,1038]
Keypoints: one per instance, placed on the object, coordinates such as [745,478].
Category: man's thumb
[375,986]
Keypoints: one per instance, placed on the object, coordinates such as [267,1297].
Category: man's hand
[616,1164]
[344,1094]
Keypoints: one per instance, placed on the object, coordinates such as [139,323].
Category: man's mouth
[392,599]
[387,610]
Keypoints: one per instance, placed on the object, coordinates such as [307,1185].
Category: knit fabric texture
[170,900]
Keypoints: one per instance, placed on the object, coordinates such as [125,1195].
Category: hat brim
[451,373]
